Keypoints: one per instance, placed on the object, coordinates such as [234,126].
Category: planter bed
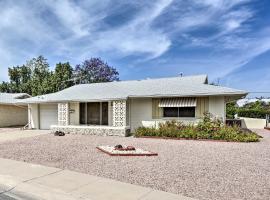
[112,152]
[173,138]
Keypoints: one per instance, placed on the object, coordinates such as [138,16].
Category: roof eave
[75,100]
[241,94]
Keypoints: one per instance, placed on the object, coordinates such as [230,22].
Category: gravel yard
[199,169]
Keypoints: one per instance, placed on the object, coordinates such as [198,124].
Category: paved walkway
[9,134]
[30,181]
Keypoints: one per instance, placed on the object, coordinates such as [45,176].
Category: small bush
[209,128]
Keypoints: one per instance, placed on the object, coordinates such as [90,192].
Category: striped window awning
[177,102]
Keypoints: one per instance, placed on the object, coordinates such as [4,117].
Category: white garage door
[48,115]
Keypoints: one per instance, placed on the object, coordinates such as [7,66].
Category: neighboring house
[115,108]
[12,111]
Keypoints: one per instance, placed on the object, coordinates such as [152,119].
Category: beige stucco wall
[202,106]
[74,115]
[140,110]
[11,115]
[217,106]
[253,123]
[33,116]
[144,111]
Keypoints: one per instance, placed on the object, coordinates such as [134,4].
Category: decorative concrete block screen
[63,118]
[119,113]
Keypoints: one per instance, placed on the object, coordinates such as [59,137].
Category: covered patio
[94,118]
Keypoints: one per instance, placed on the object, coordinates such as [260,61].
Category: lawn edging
[173,138]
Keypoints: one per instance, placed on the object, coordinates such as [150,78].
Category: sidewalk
[30,181]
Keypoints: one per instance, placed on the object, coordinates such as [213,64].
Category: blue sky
[227,39]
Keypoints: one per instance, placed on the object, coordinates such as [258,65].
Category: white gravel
[199,169]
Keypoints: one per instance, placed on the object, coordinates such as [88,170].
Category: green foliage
[209,125]
[256,109]
[40,76]
[35,77]
[61,76]
[253,113]
[231,110]
[207,129]
[5,87]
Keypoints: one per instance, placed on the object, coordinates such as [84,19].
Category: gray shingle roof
[163,87]
[12,98]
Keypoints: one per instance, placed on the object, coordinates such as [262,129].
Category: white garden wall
[253,123]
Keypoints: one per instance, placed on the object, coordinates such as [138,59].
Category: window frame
[179,111]
[84,106]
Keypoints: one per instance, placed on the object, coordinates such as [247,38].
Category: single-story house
[13,112]
[116,108]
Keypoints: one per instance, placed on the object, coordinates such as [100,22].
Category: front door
[93,113]
[104,119]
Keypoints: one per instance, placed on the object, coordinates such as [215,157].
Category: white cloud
[137,36]
[76,30]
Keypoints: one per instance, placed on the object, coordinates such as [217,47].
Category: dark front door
[93,113]
[104,113]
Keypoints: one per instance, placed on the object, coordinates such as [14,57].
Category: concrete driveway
[10,134]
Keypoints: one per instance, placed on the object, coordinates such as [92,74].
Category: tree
[14,75]
[25,80]
[95,70]
[35,77]
[61,77]
[5,87]
[40,76]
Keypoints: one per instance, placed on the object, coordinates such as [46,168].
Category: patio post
[119,113]
[63,114]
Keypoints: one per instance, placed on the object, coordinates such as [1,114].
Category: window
[94,113]
[170,112]
[179,112]
[187,112]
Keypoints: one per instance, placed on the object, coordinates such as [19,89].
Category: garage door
[48,115]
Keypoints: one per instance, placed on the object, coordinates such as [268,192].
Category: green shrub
[207,129]
[253,113]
